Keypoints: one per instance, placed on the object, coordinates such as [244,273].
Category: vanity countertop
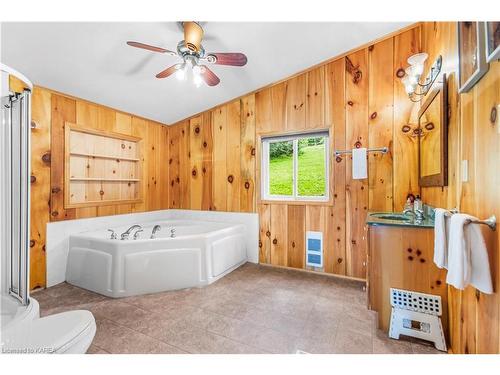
[371,220]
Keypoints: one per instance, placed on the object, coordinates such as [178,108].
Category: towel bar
[379,149]
[491,221]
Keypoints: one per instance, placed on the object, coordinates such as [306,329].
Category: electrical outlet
[465,171]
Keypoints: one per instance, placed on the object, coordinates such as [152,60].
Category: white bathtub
[200,253]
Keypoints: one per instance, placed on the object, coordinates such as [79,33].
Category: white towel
[359,164]
[467,255]
[441,233]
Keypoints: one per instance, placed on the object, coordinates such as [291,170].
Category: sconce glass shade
[415,71]
[418,59]
[408,84]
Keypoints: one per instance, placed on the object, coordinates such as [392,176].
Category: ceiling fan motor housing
[193,34]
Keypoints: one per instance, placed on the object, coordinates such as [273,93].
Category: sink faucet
[407,211]
[417,214]
[124,235]
[156,228]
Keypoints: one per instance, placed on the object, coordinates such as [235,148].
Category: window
[295,167]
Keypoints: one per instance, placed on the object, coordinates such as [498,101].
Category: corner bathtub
[200,253]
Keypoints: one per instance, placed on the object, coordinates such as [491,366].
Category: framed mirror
[471,54]
[433,137]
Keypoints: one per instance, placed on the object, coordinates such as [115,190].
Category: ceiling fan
[194,57]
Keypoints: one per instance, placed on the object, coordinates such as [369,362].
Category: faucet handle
[113,234]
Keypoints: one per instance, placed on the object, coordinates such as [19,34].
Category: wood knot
[353,242]
[406,128]
[357,144]
[247,185]
[410,257]
[373,116]
[339,260]
[260,243]
[409,250]
[268,234]
[197,130]
[101,192]
[205,144]
[419,252]
[293,243]
[123,145]
[177,179]
[429,126]
[335,195]
[422,260]
[193,172]
[371,48]
[338,159]
[438,282]
[46,157]
[55,190]
[54,213]
[230,178]
[493,115]
[172,183]
[32,179]
[350,103]
[252,152]
[170,161]
[204,170]
[400,73]
[33,124]
[275,241]
[32,243]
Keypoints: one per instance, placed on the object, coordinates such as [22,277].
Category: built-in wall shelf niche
[100,167]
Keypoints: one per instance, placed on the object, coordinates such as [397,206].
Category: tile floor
[255,309]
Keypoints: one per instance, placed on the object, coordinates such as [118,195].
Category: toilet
[69,332]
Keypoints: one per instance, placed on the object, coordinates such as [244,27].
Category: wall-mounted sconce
[410,77]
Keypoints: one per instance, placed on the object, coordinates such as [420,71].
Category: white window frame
[266,141]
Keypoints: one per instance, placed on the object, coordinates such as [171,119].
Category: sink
[391,216]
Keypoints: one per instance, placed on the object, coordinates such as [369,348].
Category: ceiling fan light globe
[197,80]
[180,74]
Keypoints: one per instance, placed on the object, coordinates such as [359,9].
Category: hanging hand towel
[359,164]
[441,233]
[467,255]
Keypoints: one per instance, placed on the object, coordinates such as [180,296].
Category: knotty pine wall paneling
[356,97]
[50,111]
[474,325]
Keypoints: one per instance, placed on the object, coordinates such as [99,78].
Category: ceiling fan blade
[169,71]
[208,76]
[193,34]
[151,48]
[234,59]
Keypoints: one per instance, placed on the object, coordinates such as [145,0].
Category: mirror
[433,137]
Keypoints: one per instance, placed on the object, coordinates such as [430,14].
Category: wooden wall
[214,156]
[474,316]
[50,110]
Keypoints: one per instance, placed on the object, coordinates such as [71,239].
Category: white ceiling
[92,61]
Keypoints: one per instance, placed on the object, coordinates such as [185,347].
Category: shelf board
[100,156]
[104,179]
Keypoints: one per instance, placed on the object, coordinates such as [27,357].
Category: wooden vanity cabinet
[402,257]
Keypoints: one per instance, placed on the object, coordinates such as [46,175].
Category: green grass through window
[311,173]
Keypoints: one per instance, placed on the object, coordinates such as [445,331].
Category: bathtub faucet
[156,228]
[125,234]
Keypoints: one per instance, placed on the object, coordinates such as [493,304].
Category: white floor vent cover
[417,315]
